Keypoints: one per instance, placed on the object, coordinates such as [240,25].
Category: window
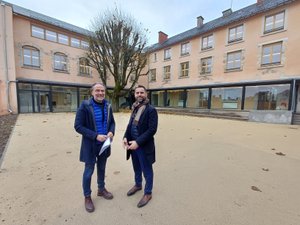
[234,60]
[37,32]
[207,42]
[167,72]
[274,22]
[51,36]
[31,56]
[271,54]
[60,62]
[267,97]
[184,69]
[185,48]
[85,45]
[206,64]
[235,34]
[84,66]
[152,75]
[167,54]
[75,42]
[63,39]
[154,57]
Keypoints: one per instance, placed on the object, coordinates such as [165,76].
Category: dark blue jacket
[86,126]
[147,127]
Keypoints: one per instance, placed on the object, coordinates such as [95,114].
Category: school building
[243,63]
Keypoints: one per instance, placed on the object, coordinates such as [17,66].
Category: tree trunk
[115,104]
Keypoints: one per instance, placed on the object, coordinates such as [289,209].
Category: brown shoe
[105,194]
[144,201]
[133,190]
[89,205]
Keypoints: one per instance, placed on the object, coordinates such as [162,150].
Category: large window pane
[226,98]
[84,94]
[175,98]
[51,36]
[25,101]
[267,97]
[64,99]
[37,32]
[197,98]
[157,98]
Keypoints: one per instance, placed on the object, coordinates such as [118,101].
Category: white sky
[169,16]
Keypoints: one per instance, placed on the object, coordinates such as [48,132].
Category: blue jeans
[142,166]
[88,172]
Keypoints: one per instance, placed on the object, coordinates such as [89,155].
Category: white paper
[105,145]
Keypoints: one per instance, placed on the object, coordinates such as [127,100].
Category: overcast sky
[169,16]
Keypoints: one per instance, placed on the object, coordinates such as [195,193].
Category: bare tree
[116,49]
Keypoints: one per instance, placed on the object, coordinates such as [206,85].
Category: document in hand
[105,145]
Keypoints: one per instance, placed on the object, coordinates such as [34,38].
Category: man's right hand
[101,137]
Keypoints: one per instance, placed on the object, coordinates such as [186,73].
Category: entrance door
[41,101]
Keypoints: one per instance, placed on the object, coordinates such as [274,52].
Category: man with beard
[139,142]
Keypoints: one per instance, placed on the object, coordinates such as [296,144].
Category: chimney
[162,37]
[200,20]
[259,2]
[227,12]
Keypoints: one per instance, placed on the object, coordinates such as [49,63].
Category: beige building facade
[42,63]
[245,61]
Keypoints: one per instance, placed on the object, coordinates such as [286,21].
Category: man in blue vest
[95,122]
[139,142]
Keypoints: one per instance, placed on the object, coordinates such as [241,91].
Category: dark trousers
[142,166]
[88,172]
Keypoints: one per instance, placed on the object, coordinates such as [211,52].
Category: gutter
[5,59]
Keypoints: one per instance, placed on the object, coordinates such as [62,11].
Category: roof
[238,15]
[46,19]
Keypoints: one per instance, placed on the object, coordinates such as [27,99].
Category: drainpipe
[5,58]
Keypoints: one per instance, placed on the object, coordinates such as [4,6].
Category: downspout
[5,58]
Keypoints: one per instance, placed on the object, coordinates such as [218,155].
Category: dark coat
[147,127]
[86,126]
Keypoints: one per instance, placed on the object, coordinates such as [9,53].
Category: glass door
[298,100]
[41,101]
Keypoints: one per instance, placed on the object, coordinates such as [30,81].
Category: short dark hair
[140,86]
[93,85]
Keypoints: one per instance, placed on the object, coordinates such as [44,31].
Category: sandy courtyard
[208,172]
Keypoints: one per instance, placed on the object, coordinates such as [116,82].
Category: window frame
[167,72]
[274,29]
[84,68]
[152,75]
[31,49]
[185,48]
[61,62]
[235,39]
[205,40]
[184,70]
[206,67]
[271,55]
[234,53]
[167,54]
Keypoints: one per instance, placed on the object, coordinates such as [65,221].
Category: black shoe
[133,190]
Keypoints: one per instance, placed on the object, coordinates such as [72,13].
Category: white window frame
[236,36]
[235,61]
[207,42]
[33,55]
[273,22]
[185,48]
[205,67]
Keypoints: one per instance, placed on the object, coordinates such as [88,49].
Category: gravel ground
[7,123]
